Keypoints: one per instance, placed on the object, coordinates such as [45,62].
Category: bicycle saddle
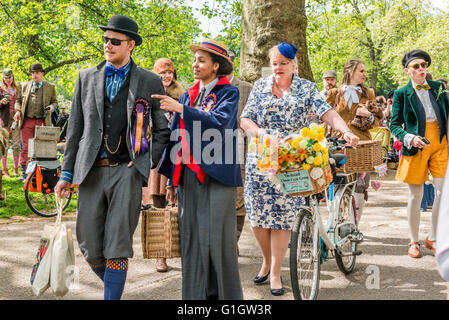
[340,159]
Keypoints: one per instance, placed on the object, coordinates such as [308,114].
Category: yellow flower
[324,150]
[306,166]
[317,147]
[321,130]
[325,157]
[305,132]
[320,136]
[317,161]
[295,144]
[312,134]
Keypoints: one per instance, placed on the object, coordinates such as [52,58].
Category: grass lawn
[15,203]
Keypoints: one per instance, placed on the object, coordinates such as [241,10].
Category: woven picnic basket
[364,158]
[160,233]
[314,188]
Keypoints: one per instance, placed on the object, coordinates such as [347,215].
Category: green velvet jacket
[407,117]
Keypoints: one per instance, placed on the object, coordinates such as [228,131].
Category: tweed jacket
[23,93]
[85,124]
[337,100]
[408,118]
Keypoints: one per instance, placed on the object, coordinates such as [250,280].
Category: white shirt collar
[209,86]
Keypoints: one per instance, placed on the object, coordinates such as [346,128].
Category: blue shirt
[114,82]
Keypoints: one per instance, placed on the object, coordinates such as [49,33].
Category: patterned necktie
[199,100]
[111,71]
[422,86]
[36,86]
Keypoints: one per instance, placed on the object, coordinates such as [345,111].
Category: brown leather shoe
[431,244]
[161,265]
[413,250]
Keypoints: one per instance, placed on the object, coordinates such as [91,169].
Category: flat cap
[330,74]
[415,54]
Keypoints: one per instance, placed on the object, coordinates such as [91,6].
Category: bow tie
[110,71]
[422,86]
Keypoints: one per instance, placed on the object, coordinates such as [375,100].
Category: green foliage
[64,35]
[377,32]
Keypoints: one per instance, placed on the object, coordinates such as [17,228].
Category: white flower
[316,173]
[313,126]
[320,182]
[303,144]
[310,160]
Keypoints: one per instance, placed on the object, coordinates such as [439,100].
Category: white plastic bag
[40,276]
[56,258]
[62,261]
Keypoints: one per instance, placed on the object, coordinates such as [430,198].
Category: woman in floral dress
[279,105]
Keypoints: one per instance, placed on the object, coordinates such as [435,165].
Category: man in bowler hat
[36,100]
[108,155]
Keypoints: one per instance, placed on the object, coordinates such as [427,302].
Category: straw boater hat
[214,47]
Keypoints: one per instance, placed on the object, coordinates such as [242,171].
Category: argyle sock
[99,269]
[115,278]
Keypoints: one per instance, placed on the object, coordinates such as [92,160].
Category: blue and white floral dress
[266,205]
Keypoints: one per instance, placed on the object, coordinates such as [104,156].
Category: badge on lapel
[209,102]
[139,131]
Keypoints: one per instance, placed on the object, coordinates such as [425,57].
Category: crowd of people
[135,140]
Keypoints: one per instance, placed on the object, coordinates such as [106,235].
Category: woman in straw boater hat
[206,174]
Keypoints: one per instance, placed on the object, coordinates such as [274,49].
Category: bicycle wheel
[304,263]
[42,204]
[346,213]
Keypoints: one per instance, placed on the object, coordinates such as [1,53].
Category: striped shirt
[114,82]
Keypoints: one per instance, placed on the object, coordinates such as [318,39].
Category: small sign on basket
[295,181]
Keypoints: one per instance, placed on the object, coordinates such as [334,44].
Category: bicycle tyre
[31,200]
[304,287]
[346,264]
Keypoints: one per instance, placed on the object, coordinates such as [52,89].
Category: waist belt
[105,163]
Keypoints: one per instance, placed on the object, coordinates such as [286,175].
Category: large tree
[266,23]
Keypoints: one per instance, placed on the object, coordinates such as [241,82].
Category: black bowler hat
[415,54]
[125,25]
[35,67]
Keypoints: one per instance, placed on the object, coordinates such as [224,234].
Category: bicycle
[312,243]
[42,176]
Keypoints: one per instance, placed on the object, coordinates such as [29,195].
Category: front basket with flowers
[300,161]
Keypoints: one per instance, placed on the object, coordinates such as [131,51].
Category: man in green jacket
[419,121]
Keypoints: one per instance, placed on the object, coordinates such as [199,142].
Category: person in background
[279,105]
[157,183]
[444,80]
[351,100]
[419,121]
[35,102]
[329,82]
[244,89]
[9,90]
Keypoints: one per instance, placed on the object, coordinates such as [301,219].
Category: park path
[383,271]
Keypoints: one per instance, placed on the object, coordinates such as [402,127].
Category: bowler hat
[330,74]
[125,25]
[415,54]
[36,67]
[214,47]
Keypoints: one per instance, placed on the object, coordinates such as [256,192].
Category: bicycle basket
[300,182]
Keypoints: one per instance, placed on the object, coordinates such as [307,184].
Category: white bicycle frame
[328,233]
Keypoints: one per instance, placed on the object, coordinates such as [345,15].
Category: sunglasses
[416,66]
[114,42]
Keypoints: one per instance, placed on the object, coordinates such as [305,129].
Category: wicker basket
[160,233]
[363,159]
[298,182]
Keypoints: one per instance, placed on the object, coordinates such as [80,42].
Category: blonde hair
[14,85]
[274,52]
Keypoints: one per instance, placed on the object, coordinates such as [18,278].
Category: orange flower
[281,159]
[289,158]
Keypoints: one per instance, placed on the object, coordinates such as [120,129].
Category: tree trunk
[266,23]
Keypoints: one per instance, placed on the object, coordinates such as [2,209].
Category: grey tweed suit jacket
[85,124]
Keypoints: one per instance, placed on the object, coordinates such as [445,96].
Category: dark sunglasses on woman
[416,66]
[114,42]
